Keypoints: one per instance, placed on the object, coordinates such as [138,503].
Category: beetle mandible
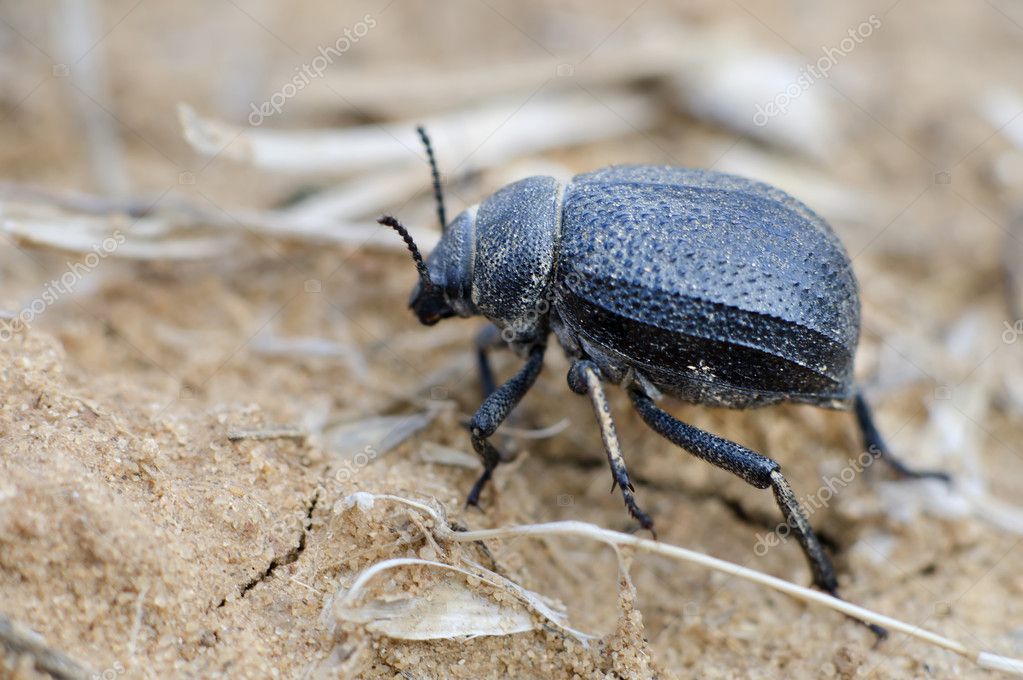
[708,287]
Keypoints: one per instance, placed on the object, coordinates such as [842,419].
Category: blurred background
[199,311]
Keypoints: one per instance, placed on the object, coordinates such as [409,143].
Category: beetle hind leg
[584,378]
[875,444]
[493,411]
[755,469]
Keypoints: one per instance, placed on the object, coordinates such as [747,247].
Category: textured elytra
[718,289]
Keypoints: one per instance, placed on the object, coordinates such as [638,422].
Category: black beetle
[709,287]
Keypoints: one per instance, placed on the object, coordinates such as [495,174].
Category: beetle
[705,286]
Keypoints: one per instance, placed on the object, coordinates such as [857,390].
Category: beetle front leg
[875,444]
[584,378]
[493,411]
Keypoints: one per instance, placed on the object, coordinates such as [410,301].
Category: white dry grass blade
[269,343]
[1003,109]
[366,194]
[615,539]
[1001,514]
[731,84]
[173,230]
[78,33]
[20,640]
[344,230]
[84,234]
[539,432]
[437,454]
[376,435]
[544,122]
[446,609]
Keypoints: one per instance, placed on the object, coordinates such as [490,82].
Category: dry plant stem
[20,640]
[77,201]
[167,232]
[82,234]
[546,122]
[365,195]
[372,91]
[286,432]
[616,539]
[1001,108]
[78,35]
[534,433]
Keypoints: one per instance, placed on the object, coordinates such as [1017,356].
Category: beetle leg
[584,378]
[488,338]
[492,412]
[757,470]
[875,444]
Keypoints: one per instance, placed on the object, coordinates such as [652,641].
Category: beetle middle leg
[584,378]
[754,468]
[493,411]
[487,339]
[875,444]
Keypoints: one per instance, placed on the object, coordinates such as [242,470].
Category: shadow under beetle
[709,287]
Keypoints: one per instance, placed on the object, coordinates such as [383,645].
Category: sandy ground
[140,540]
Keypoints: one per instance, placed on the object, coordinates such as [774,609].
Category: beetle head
[444,284]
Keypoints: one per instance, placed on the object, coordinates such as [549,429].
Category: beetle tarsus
[473,499]
[645,521]
[880,632]
[903,472]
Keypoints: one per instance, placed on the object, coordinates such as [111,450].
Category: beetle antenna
[438,194]
[424,273]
